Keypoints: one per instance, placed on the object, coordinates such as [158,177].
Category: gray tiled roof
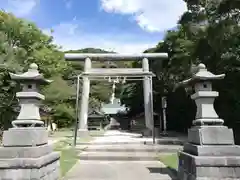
[95,113]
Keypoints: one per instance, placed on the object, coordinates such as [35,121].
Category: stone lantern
[204,96]
[29,97]
[210,152]
[25,152]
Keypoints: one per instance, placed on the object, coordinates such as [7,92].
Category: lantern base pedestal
[209,154]
[210,135]
[212,150]
[193,167]
[25,136]
[20,160]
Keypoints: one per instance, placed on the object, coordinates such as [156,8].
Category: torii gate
[90,72]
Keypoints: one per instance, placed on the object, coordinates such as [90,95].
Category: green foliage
[64,115]
[22,43]
[58,95]
[170,160]
[132,97]
[58,91]
[208,32]
[68,156]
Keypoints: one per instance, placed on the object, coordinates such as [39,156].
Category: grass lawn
[68,156]
[68,153]
[170,160]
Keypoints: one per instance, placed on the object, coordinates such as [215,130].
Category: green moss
[170,160]
[69,158]
[68,155]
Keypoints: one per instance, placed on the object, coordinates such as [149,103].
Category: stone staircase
[125,151]
[121,155]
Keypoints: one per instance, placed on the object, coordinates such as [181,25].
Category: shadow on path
[164,170]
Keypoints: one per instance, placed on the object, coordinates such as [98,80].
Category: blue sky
[120,25]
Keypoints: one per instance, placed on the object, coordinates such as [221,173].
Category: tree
[22,43]
[208,32]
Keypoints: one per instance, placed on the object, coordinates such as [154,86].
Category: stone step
[167,141]
[118,156]
[132,148]
[126,134]
[110,143]
[120,170]
[148,141]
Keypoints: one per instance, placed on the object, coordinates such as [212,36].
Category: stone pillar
[210,152]
[83,116]
[25,152]
[147,98]
[164,118]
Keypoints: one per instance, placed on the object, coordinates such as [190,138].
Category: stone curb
[116,158]
[160,142]
[168,142]
[131,150]
[107,143]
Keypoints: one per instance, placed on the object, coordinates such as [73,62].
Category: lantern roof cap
[202,74]
[31,75]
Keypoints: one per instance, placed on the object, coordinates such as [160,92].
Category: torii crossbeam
[90,72]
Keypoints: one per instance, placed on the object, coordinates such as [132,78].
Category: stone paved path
[118,156]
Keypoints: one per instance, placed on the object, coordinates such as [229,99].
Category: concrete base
[45,167]
[193,167]
[30,136]
[83,133]
[210,135]
[24,162]
[212,150]
[209,154]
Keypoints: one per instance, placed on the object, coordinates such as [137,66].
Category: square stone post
[147,98]
[83,116]
[25,153]
[210,152]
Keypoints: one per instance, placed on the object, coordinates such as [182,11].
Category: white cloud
[69,36]
[151,15]
[20,8]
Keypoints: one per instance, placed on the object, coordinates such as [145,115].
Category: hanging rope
[115,81]
[113,91]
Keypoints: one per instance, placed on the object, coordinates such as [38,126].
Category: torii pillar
[147,91]
[83,115]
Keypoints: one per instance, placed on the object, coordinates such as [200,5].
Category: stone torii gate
[90,72]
